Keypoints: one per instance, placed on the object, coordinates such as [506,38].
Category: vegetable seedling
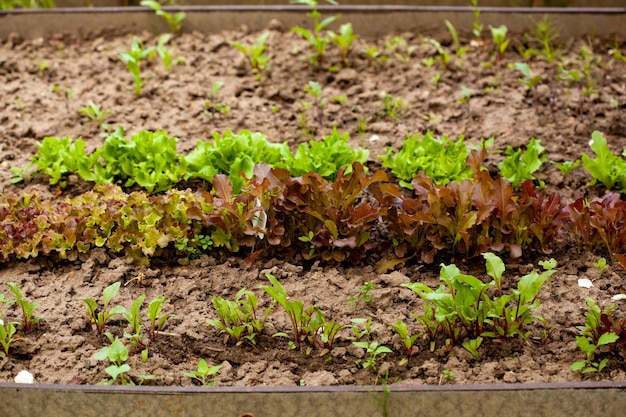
[133,57]
[408,340]
[93,113]
[529,80]
[393,107]
[375,353]
[156,319]
[499,39]
[214,107]
[477,26]
[99,319]
[174,21]
[204,373]
[607,168]
[567,167]
[7,331]
[318,42]
[255,55]
[117,354]
[601,265]
[238,319]
[314,89]
[363,295]
[165,54]
[519,166]
[344,41]
[28,309]
[294,309]
[400,49]
[67,95]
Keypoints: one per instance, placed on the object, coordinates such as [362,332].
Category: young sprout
[344,40]
[67,95]
[362,296]
[93,113]
[254,54]
[442,56]
[7,331]
[401,49]
[173,21]
[374,352]
[317,41]
[213,107]
[99,319]
[315,90]
[157,320]
[28,309]
[601,265]
[165,54]
[393,107]
[529,80]
[133,57]
[499,39]
[117,354]
[567,166]
[204,373]
[478,27]
[408,340]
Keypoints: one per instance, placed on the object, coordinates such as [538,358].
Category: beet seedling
[478,27]
[133,57]
[7,331]
[99,319]
[238,318]
[374,352]
[157,320]
[408,340]
[165,54]
[499,39]
[214,107]
[254,54]
[93,113]
[317,41]
[174,21]
[393,107]
[400,49]
[203,373]
[133,317]
[28,309]
[117,354]
[314,89]
[362,296]
[595,333]
[529,80]
[344,41]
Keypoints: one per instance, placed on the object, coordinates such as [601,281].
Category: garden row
[353,217]
[150,160]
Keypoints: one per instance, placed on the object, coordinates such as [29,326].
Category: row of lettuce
[356,217]
[150,160]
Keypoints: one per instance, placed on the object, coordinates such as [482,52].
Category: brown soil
[61,350]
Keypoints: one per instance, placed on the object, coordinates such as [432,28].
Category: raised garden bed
[48,80]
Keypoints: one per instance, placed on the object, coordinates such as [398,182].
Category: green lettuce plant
[441,159]
[607,168]
[519,165]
